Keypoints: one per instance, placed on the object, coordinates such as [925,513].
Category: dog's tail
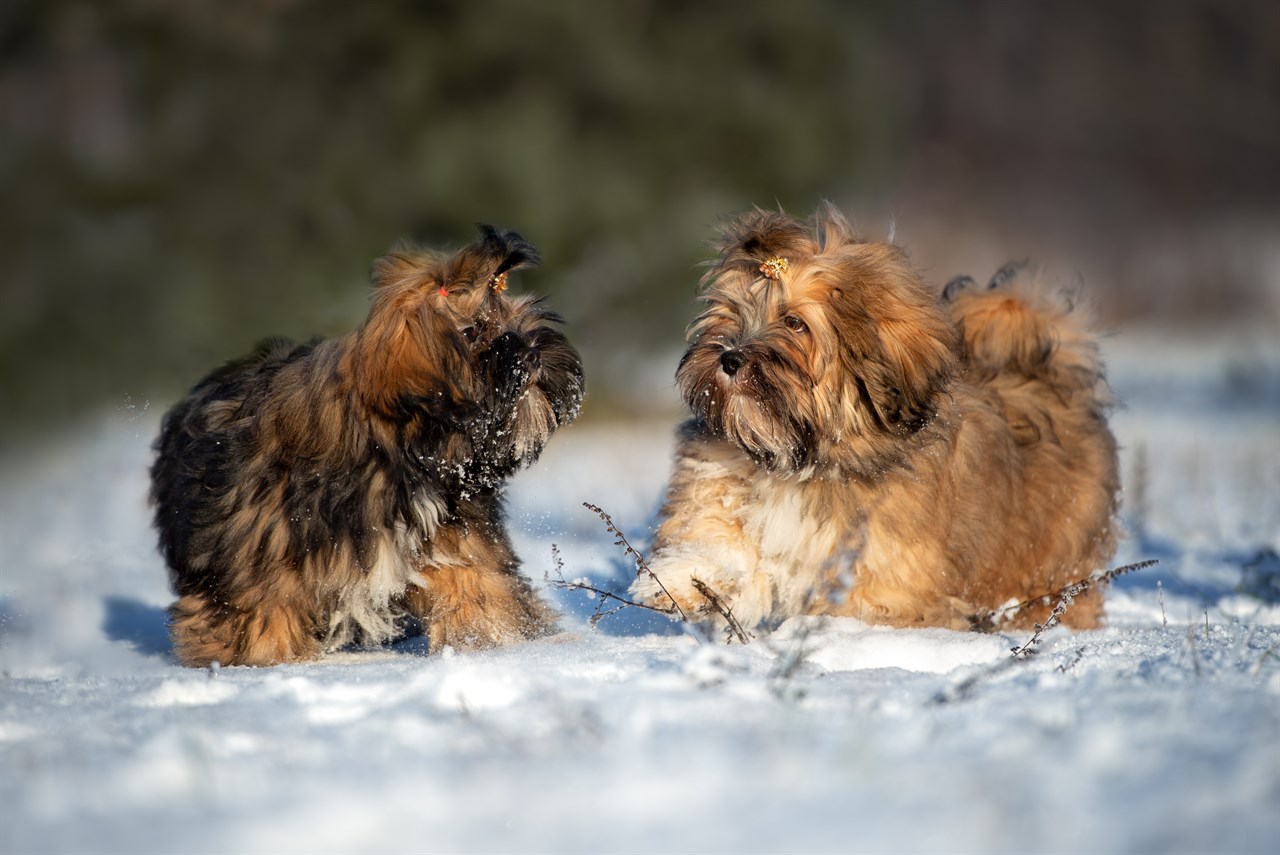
[1020,326]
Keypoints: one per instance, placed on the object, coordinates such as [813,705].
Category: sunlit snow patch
[194,692]
[846,644]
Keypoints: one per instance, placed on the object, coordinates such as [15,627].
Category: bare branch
[719,605]
[642,566]
[603,595]
[1066,596]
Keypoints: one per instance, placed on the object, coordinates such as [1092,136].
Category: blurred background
[184,177]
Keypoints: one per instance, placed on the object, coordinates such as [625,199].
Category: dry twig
[602,595]
[1160,595]
[642,566]
[719,605]
[1191,646]
[1066,596]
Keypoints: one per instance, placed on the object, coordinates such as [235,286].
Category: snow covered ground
[1160,733]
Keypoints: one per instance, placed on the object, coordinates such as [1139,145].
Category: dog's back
[199,445]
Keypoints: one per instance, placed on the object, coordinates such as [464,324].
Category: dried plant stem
[1269,653]
[1191,646]
[1054,617]
[1066,596]
[642,566]
[1075,660]
[719,605]
[966,688]
[605,596]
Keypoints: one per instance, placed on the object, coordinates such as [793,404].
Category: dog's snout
[731,361]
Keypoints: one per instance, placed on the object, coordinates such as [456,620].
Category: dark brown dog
[311,496]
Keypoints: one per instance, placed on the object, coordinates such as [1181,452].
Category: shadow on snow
[143,626]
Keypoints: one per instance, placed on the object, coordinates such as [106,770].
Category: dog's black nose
[731,361]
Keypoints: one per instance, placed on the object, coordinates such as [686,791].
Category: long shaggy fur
[861,447]
[310,496]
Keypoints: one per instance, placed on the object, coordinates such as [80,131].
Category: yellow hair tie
[774,267]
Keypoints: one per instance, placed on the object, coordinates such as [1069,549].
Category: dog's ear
[409,355]
[487,261]
[917,360]
[504,251]
[831,228]
[899,349]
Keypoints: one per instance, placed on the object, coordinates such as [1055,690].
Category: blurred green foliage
[184,178]
[199,175]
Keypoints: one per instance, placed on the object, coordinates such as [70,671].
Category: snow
[1160,732]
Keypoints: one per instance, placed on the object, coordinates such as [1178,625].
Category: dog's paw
[677,597]
[511,364]
[472,628]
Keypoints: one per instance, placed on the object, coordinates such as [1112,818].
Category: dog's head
[445,332]
[465,290]
[817,351]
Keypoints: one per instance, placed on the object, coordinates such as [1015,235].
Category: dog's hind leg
[205,632]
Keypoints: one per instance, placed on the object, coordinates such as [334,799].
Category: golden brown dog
[860,446]
[314,495]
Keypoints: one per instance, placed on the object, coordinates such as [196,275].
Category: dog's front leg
[472,596]
[508,365]
[703,560]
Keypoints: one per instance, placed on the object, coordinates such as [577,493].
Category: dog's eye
[469,334]
[795,324]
